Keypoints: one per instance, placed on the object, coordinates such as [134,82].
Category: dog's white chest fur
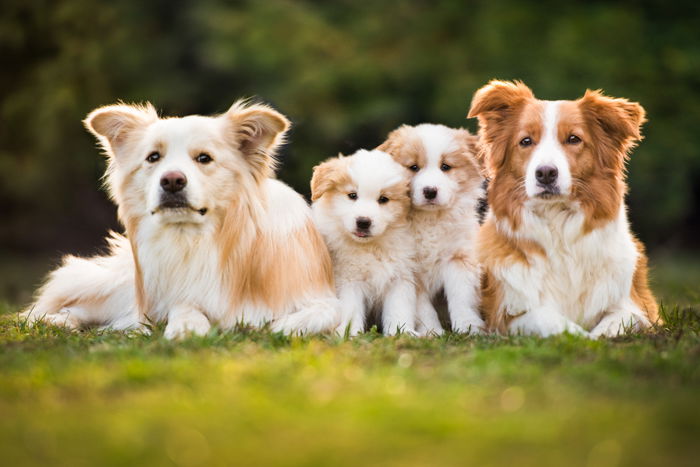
[580,276]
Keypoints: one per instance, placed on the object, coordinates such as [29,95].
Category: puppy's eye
[203,158]
[525,142]
[414,168]
[383,200]
[445,167]
[573,139]
[352,196]
[153,157]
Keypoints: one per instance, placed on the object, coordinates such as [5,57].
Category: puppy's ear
[615,123]
[498,99]
[113,125]
[469,146]
[256,131]
[327,175]
[401,146]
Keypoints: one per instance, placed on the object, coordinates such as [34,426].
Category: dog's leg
[184,320]
[352,309]
[544,321]
[427,322]
[619,319]
[399,310]
[461,283]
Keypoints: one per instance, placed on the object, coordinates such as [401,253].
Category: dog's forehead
[193,130]
[436,140]
[375,170]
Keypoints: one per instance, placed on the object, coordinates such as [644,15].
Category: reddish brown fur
[608,127]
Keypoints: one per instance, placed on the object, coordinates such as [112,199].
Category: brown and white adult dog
[212,238]
[446,185]
[556,248]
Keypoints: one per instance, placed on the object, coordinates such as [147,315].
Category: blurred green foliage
[345,72]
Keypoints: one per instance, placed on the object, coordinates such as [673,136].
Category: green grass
[253,397]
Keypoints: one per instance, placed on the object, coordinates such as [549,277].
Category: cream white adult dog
[556,248]
[212,238]
[446,186]
[360,205]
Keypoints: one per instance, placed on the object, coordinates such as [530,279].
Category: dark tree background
[345,72]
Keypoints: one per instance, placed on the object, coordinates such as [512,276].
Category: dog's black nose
[363,223]
[173,182]
[546,174]
[430,192]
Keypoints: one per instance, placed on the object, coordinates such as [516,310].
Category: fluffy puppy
[446,186]
[360,206]
[212,238]
[557,250]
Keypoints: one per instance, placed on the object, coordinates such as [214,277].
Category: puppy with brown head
[446,185]
[360,206]
[557,250]
[212,238]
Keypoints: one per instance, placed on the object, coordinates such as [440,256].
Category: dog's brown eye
[414,168]
[203,158]
[526,141]
[573,139]
[383,200]
[153,157]
[352,196]
[445,167]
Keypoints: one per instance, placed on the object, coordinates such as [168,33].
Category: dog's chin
[550,194]
[361,237]
[424,205]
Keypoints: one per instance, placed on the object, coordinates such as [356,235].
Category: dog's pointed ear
[256,131]
[326,175]
[113,124]
[617,119]
[497,99]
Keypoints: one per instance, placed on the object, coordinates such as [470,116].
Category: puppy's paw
[193,323]
[430,331]
[469,326]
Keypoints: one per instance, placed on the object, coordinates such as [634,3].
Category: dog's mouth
[549,192]
[362,234]
[178,205]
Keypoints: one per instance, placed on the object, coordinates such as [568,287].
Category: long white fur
[177,252]
[370,273]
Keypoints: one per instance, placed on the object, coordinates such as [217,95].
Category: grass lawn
[247,398]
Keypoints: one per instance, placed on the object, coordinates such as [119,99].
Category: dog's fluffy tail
[97,291]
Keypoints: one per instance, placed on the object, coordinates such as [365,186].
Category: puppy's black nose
[546,174]
[363,223]
[430,192]
[174,181]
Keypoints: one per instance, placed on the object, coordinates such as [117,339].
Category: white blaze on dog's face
[364,194]
[442,161]
[562,151]
[182,170]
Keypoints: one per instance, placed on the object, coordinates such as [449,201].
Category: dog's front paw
[545,325]
[469,326]
[65,318]
[615,324]
[193,323]
[429,331]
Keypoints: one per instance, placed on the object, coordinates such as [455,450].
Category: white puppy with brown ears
[212,238]
[360,206]
[445,190]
